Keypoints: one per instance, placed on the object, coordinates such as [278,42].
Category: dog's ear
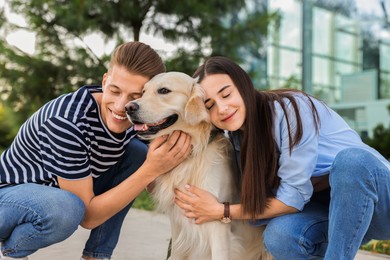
[195,110]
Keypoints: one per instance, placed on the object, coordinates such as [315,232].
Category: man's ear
[104,80]
[195,110]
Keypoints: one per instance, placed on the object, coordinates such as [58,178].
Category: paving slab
[145,236]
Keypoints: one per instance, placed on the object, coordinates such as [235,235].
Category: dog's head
[170,101]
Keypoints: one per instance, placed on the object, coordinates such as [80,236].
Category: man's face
[119,87]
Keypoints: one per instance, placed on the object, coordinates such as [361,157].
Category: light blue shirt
[313,155]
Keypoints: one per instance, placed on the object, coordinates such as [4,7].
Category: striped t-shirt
[66,138]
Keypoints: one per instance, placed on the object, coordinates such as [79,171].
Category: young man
[75,162]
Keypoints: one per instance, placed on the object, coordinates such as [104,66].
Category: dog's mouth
[154,128]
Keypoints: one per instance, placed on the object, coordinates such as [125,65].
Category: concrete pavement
[145,236]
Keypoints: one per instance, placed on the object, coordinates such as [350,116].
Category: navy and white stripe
[65,138]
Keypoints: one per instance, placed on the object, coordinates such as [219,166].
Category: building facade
[333,57]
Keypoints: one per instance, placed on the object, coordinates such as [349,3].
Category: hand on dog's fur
[199,204]
[166,152]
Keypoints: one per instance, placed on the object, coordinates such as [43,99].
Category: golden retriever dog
[174,101]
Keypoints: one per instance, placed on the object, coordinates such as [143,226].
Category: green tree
[381,139]
[8,126]
[232,28]
[62,61]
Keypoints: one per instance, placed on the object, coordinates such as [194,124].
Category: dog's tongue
[140,127]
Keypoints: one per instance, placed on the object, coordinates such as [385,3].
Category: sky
[372,6]
[26,40]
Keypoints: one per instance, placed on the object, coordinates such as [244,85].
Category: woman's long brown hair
[259,153]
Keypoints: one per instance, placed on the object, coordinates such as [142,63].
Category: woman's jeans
[34,216]
[359,211]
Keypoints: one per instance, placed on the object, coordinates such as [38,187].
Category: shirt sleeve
[295,169]
[64,151]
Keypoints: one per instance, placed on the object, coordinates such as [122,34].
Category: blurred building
[331,55]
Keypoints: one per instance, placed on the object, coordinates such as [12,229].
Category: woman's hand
[198,204]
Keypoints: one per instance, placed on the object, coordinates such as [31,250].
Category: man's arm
[164,154]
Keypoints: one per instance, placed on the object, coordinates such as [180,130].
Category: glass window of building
[384,50]
[285,43]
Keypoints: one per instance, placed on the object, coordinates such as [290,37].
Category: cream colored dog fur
[174,101]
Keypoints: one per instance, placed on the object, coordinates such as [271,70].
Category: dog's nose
[131,107]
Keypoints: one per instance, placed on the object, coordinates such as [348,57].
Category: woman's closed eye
[209,105]
[225,93]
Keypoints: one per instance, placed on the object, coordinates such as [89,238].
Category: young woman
[293,152]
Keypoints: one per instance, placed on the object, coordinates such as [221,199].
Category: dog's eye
[163,91]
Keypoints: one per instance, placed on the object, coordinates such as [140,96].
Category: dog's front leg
[177,247]
[220,236]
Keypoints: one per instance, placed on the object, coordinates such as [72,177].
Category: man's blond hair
[138,58]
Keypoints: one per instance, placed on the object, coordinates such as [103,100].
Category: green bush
[9,126]
[381,139]
[144,201]
[377,246]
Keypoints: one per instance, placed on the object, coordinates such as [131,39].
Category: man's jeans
[359,211]
[34,216]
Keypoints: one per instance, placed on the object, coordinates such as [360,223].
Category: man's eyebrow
[113,85]
[132,93]
[219,91]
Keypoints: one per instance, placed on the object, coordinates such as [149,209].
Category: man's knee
[137,147]
[64,215]
[49,212]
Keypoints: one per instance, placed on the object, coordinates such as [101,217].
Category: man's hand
[166,152]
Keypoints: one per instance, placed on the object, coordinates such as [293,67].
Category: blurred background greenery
[144,201]
[63,60]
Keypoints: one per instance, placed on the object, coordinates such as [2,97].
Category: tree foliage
[219,27]
[62,60]
[8,126]
[381,139]
[345,7]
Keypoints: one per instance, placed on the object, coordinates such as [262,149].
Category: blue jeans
[34,216]
[359,211]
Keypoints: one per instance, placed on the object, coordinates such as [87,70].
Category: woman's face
[224,102]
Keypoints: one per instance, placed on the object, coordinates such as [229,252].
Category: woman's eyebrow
[219,91]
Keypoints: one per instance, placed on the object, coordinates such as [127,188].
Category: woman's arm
[204,207]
